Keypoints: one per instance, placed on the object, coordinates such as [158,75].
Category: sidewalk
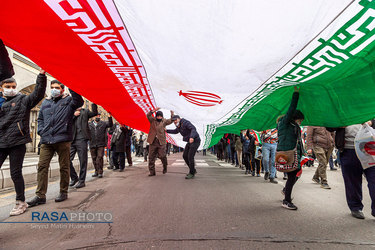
[30,168]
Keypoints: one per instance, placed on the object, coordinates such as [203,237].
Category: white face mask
[9,92]
[55,93]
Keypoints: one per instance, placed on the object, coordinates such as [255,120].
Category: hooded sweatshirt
[350,133]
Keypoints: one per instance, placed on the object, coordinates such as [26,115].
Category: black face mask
[159,120]
[97,119]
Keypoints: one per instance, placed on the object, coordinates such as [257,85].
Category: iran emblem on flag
[203,99]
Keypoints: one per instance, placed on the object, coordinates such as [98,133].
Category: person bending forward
[190,135]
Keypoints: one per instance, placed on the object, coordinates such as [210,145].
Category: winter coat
[109,138]
[232,141]
[15,115]
[82,121]
[55,120]
[186,129]
[220,145]
[238,144]
[248,144]
[2,99]
[99,133]
[319,137]
[339,137]
[122,139]
[157,129]
[145,143]
[289,132]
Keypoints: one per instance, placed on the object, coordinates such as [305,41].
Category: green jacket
[289,132]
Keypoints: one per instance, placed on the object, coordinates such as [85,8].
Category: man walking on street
[269,145]
[15,132]
[98,130]
[81,136]
[320,140]
[157,140]
[239,151]
[128,132]
[190,135]
[55,122]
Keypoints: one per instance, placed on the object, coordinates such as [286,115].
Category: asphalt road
[220,209]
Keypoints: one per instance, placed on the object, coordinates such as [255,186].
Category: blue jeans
[269,154]
[352,172]
[229,153]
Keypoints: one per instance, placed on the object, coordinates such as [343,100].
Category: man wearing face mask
[55,127]
[98,130]
[81,136]
[190,135]
[15,133]
[157,140]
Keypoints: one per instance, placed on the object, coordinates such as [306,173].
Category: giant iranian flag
[225,65]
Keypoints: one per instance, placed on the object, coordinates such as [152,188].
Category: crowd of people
[259,153]
[65,129]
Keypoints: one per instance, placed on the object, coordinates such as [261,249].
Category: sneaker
[152,174]
[325,186]
[266,175]
[333,169]
[258,175]
[253,173]
[189,176]
[20,208]
[121,170]
[272,180]
[95,175]
[316,180]
[288,205]
[246,172]
[358,214]
[285,178]
[100,175]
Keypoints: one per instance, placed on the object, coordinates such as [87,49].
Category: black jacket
[99,133]
[82,121]
[122,140]
[339,137]
[6,67]
[248,146]
[55,120]
[186,129]
[15,115]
